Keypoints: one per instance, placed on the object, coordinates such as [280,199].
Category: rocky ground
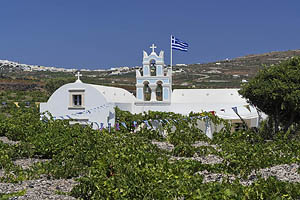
[42,188]
[45,188]
[284,172]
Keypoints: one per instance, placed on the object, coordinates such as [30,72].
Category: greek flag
[178,44]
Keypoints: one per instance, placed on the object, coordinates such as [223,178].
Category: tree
[275,90]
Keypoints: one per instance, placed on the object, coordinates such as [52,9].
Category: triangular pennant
[17,104]
[248,107]
[213,112]
[117,126]
[153,122]
[147,123]
[208,130]
[124,124]
[109,126]
[134,124]
[235,109]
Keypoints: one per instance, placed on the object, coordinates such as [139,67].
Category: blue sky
[101,34]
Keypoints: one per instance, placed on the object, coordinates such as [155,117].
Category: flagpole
[171,53]
[171,61]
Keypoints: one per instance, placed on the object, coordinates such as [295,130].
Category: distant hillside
[228,73]
[219,74]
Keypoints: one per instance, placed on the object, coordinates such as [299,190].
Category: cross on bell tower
[153,47]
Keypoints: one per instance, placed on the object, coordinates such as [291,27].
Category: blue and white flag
[178,44]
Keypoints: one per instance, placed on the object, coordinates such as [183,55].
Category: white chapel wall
[99,109]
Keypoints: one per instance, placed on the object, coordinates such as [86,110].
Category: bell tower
[154,82]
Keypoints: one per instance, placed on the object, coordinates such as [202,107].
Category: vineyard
[43,158]
[142,163]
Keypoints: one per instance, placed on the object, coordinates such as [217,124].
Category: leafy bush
[126,165]
[184,150]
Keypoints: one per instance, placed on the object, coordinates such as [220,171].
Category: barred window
[77,100]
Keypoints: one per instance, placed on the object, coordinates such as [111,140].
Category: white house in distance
[88,103]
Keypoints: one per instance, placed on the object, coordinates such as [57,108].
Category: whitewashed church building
[95,103]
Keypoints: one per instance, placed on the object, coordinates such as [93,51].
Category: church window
[77,100]
[159,91]
[153,67]
[147,91]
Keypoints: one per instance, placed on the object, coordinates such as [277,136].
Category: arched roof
[114,94]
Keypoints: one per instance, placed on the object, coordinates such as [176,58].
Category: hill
[228,73]
[220,74]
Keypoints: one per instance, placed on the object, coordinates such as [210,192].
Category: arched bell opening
[147,91]
[159,91]
[153,67]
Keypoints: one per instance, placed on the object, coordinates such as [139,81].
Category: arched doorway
[159,91]
[147,91]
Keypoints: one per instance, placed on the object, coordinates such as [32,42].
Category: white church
[87,103]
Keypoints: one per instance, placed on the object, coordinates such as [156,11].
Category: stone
[8,141]
[163,145]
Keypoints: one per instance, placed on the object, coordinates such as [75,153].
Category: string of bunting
[146,122]
[149,123]
[207,124]
[17,104]
[90,111]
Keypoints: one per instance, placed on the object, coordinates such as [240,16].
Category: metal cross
[78,75]
[153,47]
